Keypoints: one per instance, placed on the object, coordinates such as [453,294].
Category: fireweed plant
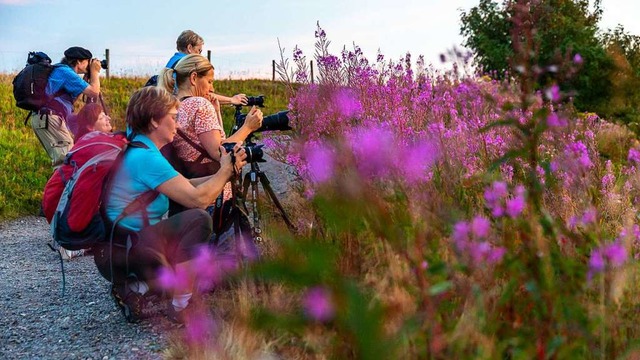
[457,216]
[452,216]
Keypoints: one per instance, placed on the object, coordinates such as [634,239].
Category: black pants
[191,170]
[141,254]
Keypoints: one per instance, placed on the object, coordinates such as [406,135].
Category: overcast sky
[242,35]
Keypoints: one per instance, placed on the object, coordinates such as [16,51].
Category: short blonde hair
[150,102]
[182,70]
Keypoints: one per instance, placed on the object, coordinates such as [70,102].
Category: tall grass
[25,166]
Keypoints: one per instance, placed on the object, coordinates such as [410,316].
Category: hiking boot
[70,254]
[130,303]
[180,317]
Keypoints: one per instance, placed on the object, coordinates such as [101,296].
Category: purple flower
[577,151]
[596,261]
[424,155]
[515,206]
[496,255]
[424,265]
[366,141]
[589,216]
[479,251]
[480,227]
[320,162]
[317,304]
[174,279]
[577,59]
[634,156]
[553,93]
[347,103]
[616,254]
[461,234]
[553,120]
[494,195]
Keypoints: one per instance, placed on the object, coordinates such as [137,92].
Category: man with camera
[63,88]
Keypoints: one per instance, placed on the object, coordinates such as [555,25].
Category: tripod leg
[266,185]
[251,179]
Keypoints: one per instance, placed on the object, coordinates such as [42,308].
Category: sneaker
[130,303]
[70,254]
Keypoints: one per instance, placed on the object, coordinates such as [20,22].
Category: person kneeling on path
[144,244]
[90,118]
[64,86]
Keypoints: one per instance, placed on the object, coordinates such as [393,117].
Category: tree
[563,28]
[624,48]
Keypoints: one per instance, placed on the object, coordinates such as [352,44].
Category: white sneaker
[70,254]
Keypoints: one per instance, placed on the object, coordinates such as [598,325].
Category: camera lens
[104,64]
[278,121]
[254,153]
[255,100]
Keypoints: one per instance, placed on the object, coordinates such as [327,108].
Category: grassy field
[25,165]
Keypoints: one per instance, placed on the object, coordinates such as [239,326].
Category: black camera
[254,152]
[278,121]
[104,64]
[255,100]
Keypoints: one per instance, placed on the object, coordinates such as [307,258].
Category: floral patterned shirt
[196,115]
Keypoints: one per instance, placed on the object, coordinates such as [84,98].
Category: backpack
[76,190]
[30,84]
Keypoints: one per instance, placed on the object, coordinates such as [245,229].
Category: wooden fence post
[106,55]
[209,55]
[273,70]
[311,61]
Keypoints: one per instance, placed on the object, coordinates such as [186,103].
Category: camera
[255,100]
[278,121]
[254,152]
[104,64]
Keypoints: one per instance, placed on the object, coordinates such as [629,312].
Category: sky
[242,35]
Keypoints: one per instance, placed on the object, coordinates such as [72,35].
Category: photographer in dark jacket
[64,86]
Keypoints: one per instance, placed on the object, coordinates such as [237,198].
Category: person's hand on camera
[226,162]
[241,157]
[239,99]
[95,66]
[254,119]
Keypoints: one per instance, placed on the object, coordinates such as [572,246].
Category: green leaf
[440,288]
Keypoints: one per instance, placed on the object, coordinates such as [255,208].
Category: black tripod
[252,178]
[255,175]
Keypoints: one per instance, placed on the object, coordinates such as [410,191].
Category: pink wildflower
[317,304]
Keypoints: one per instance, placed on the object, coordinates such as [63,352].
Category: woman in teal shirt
[172,242]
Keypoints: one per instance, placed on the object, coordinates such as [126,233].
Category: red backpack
[74,194]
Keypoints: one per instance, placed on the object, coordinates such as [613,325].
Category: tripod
[251,179]
[255,175]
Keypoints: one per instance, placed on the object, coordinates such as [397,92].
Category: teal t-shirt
[141,170]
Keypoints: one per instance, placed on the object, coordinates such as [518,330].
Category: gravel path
[36,322]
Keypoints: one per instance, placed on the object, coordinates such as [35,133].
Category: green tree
[624,48]
[563,28]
